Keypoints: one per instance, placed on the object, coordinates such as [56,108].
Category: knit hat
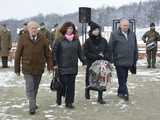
[93,26]
[152,25]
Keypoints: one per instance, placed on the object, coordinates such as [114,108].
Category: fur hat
[93,26]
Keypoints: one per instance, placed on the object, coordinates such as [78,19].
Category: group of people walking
[33,53]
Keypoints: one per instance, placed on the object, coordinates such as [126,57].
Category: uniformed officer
[150,38]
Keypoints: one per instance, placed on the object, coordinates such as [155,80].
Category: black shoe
[120,95]
[59,103]
[59,100]
[36,106]
[101,101]
[4,66]
[70,106]
[87,95]
[32,111]
[148,66]
[124,96]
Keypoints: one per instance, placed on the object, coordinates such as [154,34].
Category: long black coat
[66,54]
[124,52]
[93,47]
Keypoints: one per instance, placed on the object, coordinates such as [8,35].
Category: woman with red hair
[66,51]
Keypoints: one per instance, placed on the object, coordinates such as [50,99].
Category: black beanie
[152,25]
[93,26]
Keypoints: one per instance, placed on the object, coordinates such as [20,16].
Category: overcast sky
[19,9]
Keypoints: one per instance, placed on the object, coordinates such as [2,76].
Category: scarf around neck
[69,37]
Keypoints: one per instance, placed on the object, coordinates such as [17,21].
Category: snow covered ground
[143,105]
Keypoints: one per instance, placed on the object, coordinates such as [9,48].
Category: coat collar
[120,31]
[37,38]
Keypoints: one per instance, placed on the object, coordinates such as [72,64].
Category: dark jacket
[33,55]
[65,54]
[124,52]
[93,47]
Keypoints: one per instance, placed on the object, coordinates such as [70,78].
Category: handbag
[56,84]
[133,69]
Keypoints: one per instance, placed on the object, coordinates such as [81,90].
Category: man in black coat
[123,46]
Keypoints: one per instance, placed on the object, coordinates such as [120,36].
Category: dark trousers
[122,74]
[87,75]
[4,61]
[32,85]
[87,93]
[68,91]
[151,57]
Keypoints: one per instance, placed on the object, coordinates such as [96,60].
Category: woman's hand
[55,67]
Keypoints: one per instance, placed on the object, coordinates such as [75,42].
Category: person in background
[5,44]
[43,30]
[24,29]
[53,32]
[151,38]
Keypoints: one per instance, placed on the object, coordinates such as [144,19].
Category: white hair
[32,24]
[124,20]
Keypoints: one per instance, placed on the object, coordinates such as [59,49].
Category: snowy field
[144,89]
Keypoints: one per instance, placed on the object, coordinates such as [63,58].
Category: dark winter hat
[55,25]
[25,24]
[42,24]
[93,25]
[4,25]
[152,25]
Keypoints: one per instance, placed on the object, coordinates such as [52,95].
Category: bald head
[32,27]
[124,25]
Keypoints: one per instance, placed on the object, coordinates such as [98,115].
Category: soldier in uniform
[24,29]
[150,38]
[5,44]
[44,31]
[53,31]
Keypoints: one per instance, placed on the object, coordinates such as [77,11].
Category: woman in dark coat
[95,48]
[66,51]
